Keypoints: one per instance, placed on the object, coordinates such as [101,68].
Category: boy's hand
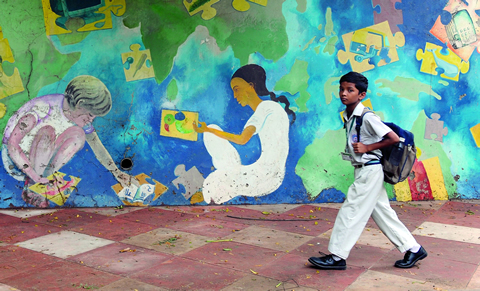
[359,148]
[125,179]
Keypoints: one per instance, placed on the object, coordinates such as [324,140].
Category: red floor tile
[8,219]
[61,275]
[114,228]
[412,216]
[67,218]
[458,213]
[450,250]
[433,269]
[156,216]
[297,268]
[305,219]
[360,256]
[234,255]
[22,231]
[185,274]
[15,260]
[121,259]
[240,215]
[208,226]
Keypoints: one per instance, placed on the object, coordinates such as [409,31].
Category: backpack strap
[359,121]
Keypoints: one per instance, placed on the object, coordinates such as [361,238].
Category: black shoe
[328,263]
[411,258]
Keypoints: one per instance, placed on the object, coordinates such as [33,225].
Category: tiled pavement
[230,248]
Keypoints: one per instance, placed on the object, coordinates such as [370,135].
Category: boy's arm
[388,140]
[103,156]
[21,129]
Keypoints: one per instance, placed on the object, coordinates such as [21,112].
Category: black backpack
[397,159]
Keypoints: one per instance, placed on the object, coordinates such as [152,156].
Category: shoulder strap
[359,121]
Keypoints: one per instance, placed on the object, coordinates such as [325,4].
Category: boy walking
[367,195]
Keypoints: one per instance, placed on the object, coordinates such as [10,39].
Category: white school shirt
[371,131]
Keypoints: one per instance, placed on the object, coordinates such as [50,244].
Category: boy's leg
[42,148]
[387,220]
[66,145]
[361,199]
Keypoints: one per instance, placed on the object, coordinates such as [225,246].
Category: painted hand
[200,129]
[126,180]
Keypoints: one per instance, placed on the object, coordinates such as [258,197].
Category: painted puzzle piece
[149,191]
[179,124]
[137,64]
[59,191]
[192,180]
[435,126]
[205,6]
[434,58]
[432,188]
[476,134]
[388,10]
[371,47]
[460,30]
[243,5]
[13,84]
[95,16]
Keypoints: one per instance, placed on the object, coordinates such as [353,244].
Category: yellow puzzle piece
[179,124]
[195,6]
[59,191]
[91,16]
[371,46]
[476,134]
[13,84]
[138,64]
[433,58]
[243,5]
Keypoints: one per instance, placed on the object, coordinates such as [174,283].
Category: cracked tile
[158,240]
[269,238]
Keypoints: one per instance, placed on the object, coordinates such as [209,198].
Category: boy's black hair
[360,81]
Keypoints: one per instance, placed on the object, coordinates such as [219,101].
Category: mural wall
[147,102]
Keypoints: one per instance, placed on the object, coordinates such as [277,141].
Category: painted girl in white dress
[270,121]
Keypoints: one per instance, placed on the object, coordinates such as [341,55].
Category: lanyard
[347,132]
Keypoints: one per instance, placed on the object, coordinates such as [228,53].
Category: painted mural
[195,102]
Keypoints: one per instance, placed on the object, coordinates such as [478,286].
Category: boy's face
[349,94]
[81,116]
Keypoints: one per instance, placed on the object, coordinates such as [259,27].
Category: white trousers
[367,197]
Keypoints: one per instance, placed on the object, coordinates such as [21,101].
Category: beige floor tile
[372,280]
[64,244]
[370,237]
[24,213]
[272,208]
[130,285]
[269,238]
[475,281]
[449,232]
[7,288]
[252,282]
[158,239]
